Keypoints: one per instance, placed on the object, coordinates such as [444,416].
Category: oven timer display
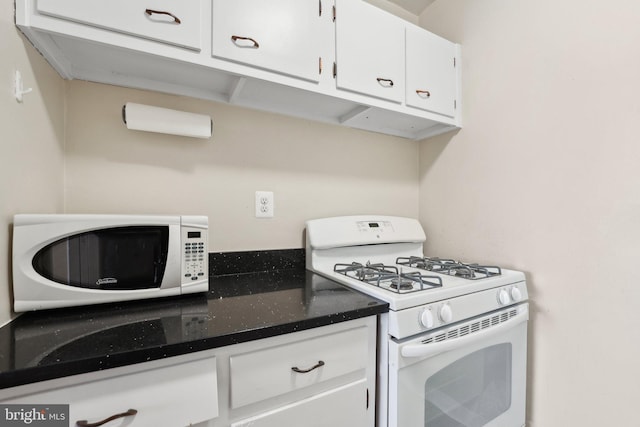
[194,234]
[374,226]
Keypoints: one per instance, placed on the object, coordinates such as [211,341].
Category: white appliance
[62,260]
[452,348]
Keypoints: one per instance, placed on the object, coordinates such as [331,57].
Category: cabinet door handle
[85,423]
[160,12]
[388,81]
[304,371]
[426,93]
[236,38]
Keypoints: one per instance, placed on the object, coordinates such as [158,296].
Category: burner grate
[388,277]
[450,267]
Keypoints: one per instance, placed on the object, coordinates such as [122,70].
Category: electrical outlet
[264,204]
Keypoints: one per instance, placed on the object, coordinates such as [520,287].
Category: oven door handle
[432,349]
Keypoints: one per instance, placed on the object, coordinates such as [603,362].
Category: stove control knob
[516,294]
[503,297]
[446,314]
[426,318]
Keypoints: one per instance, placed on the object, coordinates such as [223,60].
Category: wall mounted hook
[19,90]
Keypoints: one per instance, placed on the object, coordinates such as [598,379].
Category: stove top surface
[382,256]
[404,287]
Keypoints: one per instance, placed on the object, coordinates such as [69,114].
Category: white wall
[314,169]
[544,177]
[31,152]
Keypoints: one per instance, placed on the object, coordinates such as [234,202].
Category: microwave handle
[424,350]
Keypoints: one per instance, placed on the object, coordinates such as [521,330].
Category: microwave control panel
[195,255]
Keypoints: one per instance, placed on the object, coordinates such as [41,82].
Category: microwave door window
[122,258]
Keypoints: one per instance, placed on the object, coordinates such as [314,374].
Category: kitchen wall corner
[543,177]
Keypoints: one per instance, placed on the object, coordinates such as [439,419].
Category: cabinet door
[431,73]
[277,35]
[346,406]
[369,50]
[167,21]
[176,395]
[274,371]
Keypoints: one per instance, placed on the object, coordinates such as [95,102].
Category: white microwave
[63,260]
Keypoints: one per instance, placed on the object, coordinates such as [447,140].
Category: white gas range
[445,318]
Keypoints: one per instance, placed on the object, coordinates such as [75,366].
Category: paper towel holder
[163,120]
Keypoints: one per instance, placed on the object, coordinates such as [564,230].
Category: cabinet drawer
[167,21]
[175,395]
[267,373]
[341,407]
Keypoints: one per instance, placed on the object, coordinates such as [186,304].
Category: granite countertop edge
[31,375]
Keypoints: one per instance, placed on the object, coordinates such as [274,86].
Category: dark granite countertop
[240,306]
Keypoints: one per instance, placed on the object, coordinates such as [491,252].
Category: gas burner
[450,267]
[406,282]
[401,283]
[462,271]
[364,272]
[388,277]
[429,264]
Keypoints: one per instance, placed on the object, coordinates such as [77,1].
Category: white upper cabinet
[278,55]
[431,72]
[370,54]
[168,21]
[277,35]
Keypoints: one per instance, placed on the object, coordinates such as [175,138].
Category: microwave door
[120,258]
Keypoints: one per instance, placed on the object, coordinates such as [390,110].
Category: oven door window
[471,391]
[120,258]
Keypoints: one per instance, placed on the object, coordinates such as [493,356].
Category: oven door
[469,374]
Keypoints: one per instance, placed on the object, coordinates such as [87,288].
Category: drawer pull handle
[160,12]
[255,43]
[85,423]
[426,93]
[304,371]
[388,81]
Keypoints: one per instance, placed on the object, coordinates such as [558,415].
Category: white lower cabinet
[336,408]
[323,376]
[314,378]
[278,370]
[151,394]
